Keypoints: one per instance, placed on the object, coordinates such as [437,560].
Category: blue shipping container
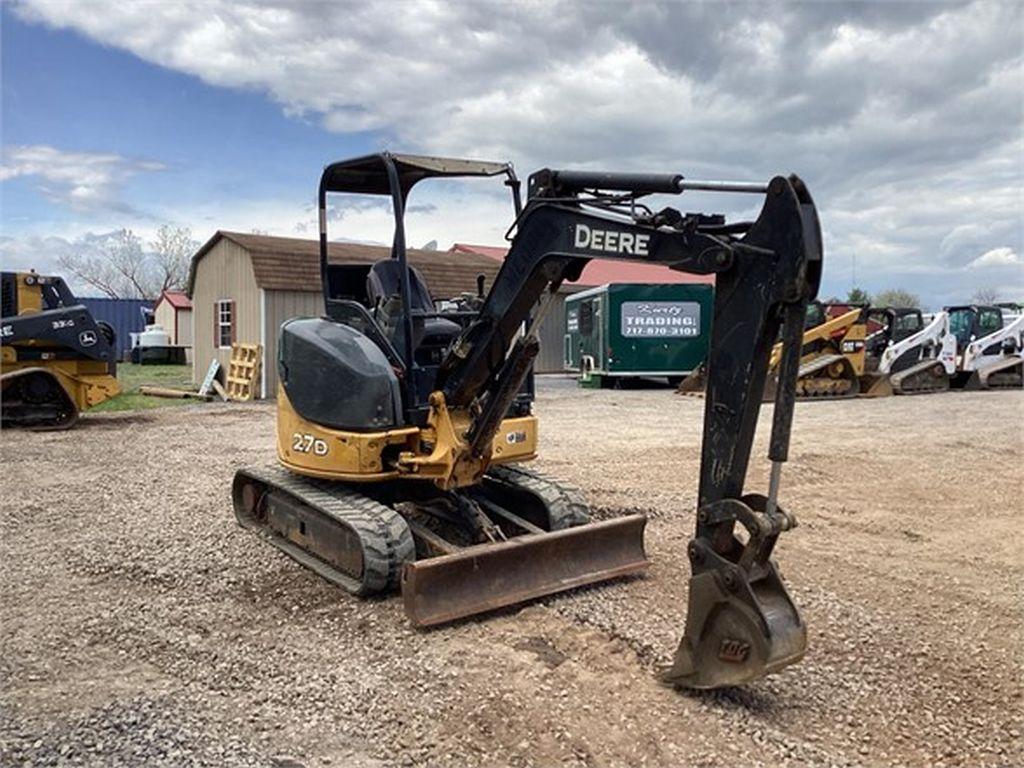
[125,315]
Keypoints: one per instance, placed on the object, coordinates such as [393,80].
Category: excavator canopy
[368,175]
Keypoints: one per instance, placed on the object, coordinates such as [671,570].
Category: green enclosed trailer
[624,330]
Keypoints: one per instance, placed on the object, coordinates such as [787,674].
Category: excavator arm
[741,622]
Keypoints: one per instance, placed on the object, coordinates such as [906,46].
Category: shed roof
[293,264]
[603,271]
[177,299]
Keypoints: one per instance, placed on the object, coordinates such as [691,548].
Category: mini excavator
[56,359]
[402,429]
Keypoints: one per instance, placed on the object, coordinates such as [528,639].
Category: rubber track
[383,533]
[1004,377]
[19,414]
[566,505]
[903,382]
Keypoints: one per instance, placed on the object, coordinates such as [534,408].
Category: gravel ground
[140,625]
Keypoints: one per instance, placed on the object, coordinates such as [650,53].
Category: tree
[172,250]
[986,295]
[118,266]
[896,297]
[112,263]
[858,296]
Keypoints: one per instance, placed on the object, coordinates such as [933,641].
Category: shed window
[223,323]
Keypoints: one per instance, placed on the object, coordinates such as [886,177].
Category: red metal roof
[602,271]
[177,299]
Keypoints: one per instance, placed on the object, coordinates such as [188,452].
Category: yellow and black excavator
[402,428]
[55,359]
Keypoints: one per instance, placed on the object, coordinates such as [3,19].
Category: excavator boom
[742,623]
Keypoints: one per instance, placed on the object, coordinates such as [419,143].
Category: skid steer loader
[697,380]
[402,428]
[990,348]
[55,359]
[832,358]
[905,356]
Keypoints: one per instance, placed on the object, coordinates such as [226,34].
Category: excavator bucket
[485,577]
[741,623]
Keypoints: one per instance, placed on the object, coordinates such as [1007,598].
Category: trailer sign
[667,319]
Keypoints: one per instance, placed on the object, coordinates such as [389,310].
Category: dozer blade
[488,576]
[741,623]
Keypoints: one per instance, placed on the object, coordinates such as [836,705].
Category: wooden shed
[243,286]
[173,311]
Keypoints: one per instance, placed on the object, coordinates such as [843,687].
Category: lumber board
[181,394]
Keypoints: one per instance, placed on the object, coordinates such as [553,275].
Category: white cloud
[904,119]
[997,257]
[84,181]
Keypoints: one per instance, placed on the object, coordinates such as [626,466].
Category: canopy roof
[368,175]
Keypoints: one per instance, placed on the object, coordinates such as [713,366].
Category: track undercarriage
[34,398]
[516,536]
[1004,373]
[922,378]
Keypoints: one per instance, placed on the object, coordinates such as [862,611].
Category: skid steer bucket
[875,385]
[741,623]
[695,382]
[484,577]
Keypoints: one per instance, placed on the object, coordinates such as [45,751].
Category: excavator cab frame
[393,176]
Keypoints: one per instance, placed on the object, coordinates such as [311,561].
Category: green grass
[131,377]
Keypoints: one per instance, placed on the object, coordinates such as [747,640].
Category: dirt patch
[140,624]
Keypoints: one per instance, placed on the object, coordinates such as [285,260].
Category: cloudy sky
[906,120]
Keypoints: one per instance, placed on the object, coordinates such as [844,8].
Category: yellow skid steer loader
[55,359]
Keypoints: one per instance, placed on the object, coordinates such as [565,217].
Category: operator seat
[384,289]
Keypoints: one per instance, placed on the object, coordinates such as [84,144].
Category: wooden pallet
[244,371]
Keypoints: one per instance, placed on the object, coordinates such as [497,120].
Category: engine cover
[335,376]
